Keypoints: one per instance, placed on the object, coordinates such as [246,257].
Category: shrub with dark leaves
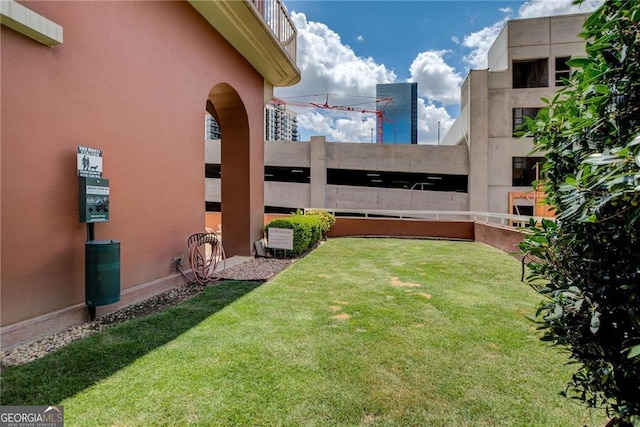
[587,262]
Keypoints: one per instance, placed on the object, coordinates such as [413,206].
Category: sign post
[102,258]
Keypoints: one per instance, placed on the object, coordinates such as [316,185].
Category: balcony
[275,14]
[261,30]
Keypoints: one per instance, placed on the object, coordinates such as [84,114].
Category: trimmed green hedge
[307,230]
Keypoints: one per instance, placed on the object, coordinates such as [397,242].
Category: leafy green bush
[327,220]
[307,230]
[587,263]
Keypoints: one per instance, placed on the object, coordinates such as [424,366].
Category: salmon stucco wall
[132,79]
[401,228]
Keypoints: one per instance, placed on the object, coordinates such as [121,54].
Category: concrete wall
[478,140]
[547,37]
[498,55]
[320,155]
[278,153]
[488,100]
[131,78]
[503,238]
[287,194]
[458,133]
[402,228]
[400,158]
[347,197]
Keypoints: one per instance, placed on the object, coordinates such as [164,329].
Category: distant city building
[280,123]
[400,122]
[211,127]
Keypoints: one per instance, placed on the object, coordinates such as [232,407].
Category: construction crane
[379,112]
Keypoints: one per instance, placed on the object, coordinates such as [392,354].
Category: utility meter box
[94,199]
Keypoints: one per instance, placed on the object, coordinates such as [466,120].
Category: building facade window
[211,127]
[531,73]
[522,210]
[525,170]
[563,71]
[519,115]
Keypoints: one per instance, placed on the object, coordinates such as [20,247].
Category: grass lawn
[380,332]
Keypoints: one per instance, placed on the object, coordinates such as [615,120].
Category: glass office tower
[400,117]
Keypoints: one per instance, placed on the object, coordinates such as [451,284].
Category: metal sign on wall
[89,162]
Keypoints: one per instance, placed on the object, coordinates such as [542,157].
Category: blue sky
[346,47]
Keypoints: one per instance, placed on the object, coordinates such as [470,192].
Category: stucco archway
[242,171]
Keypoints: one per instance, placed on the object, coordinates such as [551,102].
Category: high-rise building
[400,116]
[280,123]
[211,127]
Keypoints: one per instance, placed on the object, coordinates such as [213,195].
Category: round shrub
[327,220]
[307,230]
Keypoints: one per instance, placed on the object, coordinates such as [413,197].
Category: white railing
[505,220]
[276,15]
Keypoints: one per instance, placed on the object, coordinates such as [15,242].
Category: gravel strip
[257,269]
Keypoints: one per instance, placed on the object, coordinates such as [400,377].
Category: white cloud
[506,10]
[535,8]
[436,79]
[455,39]
[329,66]
[428,118]
[339,127]
[479,42]
[360,38]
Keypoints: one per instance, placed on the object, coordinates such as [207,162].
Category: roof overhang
[240,23]
[31,24]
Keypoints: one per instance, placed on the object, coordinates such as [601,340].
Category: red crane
[379,112]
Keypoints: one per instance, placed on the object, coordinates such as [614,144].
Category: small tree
[587,262]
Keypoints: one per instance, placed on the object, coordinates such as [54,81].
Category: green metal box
[94,199]
[102,272]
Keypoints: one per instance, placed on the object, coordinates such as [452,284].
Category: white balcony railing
[277,18]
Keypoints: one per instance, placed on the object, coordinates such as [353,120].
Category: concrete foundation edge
[37,327]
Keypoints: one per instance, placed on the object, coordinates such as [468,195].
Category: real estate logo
[31,416]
